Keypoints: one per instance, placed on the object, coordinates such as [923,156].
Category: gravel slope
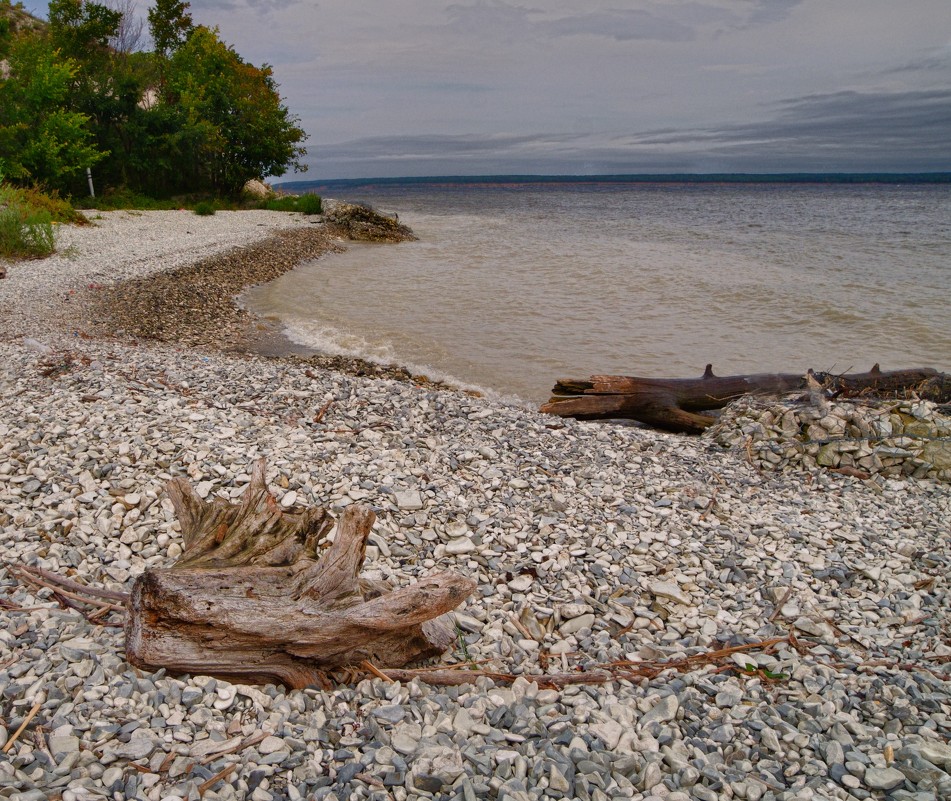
[39,298]
[593,547]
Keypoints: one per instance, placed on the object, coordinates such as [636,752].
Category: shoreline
[194,304]
[776,636]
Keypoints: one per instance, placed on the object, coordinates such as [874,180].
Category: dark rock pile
[194,305]
[361,223]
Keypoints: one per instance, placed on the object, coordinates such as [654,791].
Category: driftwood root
[259,595]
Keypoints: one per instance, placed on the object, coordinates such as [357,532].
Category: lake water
[513,286]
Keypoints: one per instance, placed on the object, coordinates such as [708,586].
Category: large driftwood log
[673,403]
[258,597]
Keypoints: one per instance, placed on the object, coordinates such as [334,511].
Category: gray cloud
[934,62]
[258,7]
[622,25]
[766,12]
[491,18]
[842,130]
[664,22]
[509,21]
[920,119]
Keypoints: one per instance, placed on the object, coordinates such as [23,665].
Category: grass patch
[123,199]
[305,204]
[115,199]
[27,218]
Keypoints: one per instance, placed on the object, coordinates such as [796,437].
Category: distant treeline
[669,178]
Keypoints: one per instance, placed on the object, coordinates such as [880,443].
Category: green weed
[26,223]
[305,204]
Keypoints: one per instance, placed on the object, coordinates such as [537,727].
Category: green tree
[15,20]
[169,23]
[6,26]
[190,117]
[82,30]
[41,139]
[108,82]
[233,124]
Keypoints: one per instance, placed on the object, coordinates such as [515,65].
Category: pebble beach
[757,635]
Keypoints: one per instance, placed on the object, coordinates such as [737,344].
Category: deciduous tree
[233,125]
[169,23]
[41,139]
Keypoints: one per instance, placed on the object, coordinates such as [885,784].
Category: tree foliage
[233,126]
[189,117]
[170,24]
[41,139]
[82,30]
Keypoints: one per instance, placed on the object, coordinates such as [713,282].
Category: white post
[92,191]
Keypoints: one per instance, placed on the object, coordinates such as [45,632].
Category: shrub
[26,228]
[123,198]
[204,209]
[283,203]
[305,204]
[25,234]
[60,211]
[309,204]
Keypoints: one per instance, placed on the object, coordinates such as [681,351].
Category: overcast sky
[429,87]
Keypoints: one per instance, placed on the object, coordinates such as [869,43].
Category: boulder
[257,189]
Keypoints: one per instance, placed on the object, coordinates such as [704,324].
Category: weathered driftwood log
[673,403]
[258,597]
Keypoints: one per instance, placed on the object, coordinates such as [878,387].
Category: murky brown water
[512,287]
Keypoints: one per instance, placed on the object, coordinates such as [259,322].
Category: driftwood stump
[674,404]
[258,596]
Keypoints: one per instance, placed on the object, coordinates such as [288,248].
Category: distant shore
[339,184]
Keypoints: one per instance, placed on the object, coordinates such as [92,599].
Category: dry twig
[366,778]
[254,739]
[454,675]
[72,595]
[710,504]
[366,664]
[780,604]
[74,586]
[319,417]
[29,716]
[221,774]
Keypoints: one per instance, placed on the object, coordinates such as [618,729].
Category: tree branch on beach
[676,404]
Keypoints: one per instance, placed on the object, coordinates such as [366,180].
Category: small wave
[841,316]
[335,342]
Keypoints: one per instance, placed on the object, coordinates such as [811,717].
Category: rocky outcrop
[257,189]
[361,223]
[859,437]
[21,20]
